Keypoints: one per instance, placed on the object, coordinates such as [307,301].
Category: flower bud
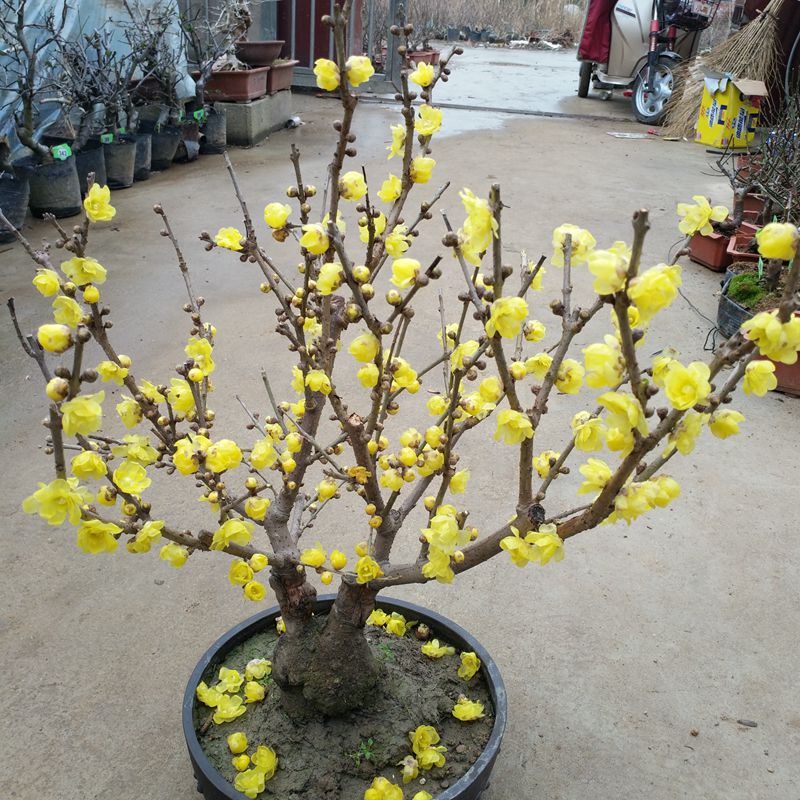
[57,389]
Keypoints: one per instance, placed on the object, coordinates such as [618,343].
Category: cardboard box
[729,111]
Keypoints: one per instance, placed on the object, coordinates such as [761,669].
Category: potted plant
[281,75]
[14,191]
[376,692]
[26,72]
[259,53]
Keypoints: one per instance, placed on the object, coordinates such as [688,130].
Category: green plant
[386,652]
[747,289]
[364,752]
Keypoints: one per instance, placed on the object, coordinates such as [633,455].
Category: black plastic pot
[163,146]
[469,787]
[120,162]
[143,158]
[14,195]
[189,145]
[55,188]
[91,158]
[215,133]
[730,315]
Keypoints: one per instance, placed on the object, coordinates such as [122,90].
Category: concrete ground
[613,659]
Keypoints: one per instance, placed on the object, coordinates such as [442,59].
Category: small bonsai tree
[26,67]
[269,491]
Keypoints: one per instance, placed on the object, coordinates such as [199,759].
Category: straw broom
[752,52]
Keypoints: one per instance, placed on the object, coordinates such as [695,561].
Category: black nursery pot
[91,158]
[55,188]
[14,195]
[120,162]
[469,787]
[215,133]
[189,145]
[163,146]
[143,158]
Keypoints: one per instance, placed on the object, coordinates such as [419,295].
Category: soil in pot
[54,188]
[332,758]
[14,195]
[144,153]
[120,162]
[91,158]
[163,146]
[215,133]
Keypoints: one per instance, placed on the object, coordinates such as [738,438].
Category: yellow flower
[313,556]
[258,561]
[232,531]
[364,347]
[661,366]
[129,411]
[422,169]
[276,215]
[96,537]
[569,377]
[239,574]
[655,289]
[106,496]
[424,737]
[378,226]
[150,391]
[778,240]
[538,365]
[367,569]
[596,473]
[58,500]
[237,743]
[327,73]
[251,782]
[318,381]
[255,591]
[776,341]
[582,244]
[256,507]
[464,350]
[404,376]
[470,664]
[534,331]
[548,543]
[437,405]
[229,680]
[467,710]
[54,338]
[513,427]
[241,763]
[410,769]
[666,490]
[315,239]
[57,389]
[359,70]
[145,538]
[254,692]
[687,386]
[175,554]
[111,371]
[623,412]
[633,501]
[330,278]
[263,455]
[432,757]
[382,789]
[368,376]
[589,432]
[257,669]
[223,455]
[759,378]
[398,141]
[83,414]
[352,185]
[536,283]
[265,761]
[46,282]
[228,709]
[697,218]
[725,422]
[391,189]
[604,363]
[84,270]
[229,238]
[684,437]
[131,478]
[67,312]
[396,624]
[180,397]
[544,461]
[207,696]
[88,465]
[433,649]
[185,456]
[444,534]
[378,618]
[609,267]
[404,272]
[398,241]
[429,120]
[423,795]
[423,75]
[199,350]
[507,316]
[97,204]
[458,483]
[326,489]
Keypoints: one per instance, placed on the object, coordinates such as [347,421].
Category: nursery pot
[215,132]
[711,251]
[189,144]
[120,162]
[469,787]
[739,244]
[164,143]
[143,157]
[259,54]
[91,158]
[236,85]
[55,188]
[730,315]
[280,76]
[14,194]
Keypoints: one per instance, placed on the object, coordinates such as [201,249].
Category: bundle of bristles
[753,53]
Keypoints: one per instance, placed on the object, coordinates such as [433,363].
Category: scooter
[636,45]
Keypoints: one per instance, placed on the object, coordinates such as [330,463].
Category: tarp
[595,43]
[82,17]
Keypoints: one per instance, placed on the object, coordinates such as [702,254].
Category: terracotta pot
[259,54]
[280,76]
[754,202]
[738,247]
[788,376]
[237,85]
[424,57]
[711,251]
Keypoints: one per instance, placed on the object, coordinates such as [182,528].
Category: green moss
[747,289]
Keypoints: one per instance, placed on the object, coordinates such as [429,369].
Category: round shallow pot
[91,158]
[14,195]
[164,144]
[259,54]
[120,162]
[469,787]
[55,188]
[144,154]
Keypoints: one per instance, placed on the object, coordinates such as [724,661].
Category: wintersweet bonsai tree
[339,312]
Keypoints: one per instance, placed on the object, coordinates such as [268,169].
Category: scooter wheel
[649,106]
[585,78]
